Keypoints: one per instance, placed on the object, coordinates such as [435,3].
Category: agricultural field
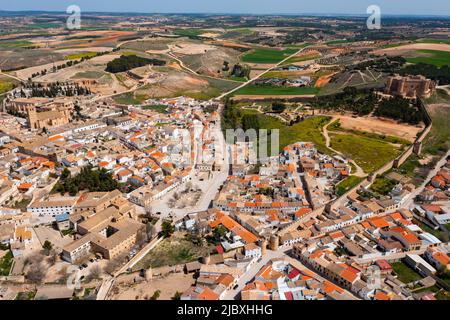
[7,84]
[273,90]
[267,55]
[211,61]
[81,55]
[17,58]
[302,58]
[437,58]
[153,44]
[431,52]
[15,44]
[174,83]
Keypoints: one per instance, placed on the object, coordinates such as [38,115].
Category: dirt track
[380,126]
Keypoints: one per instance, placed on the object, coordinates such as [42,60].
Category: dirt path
[359,172]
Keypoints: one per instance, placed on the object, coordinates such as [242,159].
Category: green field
[7,84]
[369,153]
[435,57]
[347,184]
[273,90]
[301,58]
[267,55]
[308,130]
[128,98]
[81,55]
[444,41]
[189,32]
[438,140]
[158,108]
[15,44]
[405,273]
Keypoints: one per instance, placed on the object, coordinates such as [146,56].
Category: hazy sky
[425,7]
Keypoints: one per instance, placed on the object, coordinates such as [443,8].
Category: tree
[278,107]
[177,296]
[47,247]
[155,295]
[219,232]
[167,229]
[36,273]
[65,174]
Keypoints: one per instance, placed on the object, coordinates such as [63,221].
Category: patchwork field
[171,82]
[273,90]
[432,52]
[7,84]
[267,56]
[437,58]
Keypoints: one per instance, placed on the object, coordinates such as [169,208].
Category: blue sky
[424,7]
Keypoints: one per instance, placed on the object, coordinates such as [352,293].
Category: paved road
[410,198]
[250,274]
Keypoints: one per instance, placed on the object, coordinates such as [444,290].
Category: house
[438,256]
[251,250]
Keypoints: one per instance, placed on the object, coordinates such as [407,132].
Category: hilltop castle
[410,86]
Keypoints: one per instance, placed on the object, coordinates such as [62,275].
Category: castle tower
[274,242]
[32,117]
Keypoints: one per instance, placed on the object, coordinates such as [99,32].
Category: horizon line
[235,13]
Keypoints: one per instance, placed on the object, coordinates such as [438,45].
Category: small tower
[32,117]
[263,245]
[274,242]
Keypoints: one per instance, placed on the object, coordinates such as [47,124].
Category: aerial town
[119,179]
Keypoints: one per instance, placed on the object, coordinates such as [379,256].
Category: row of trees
[125,63]
[53,90]
[350,100]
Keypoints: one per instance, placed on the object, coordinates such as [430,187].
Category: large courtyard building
[410,87]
